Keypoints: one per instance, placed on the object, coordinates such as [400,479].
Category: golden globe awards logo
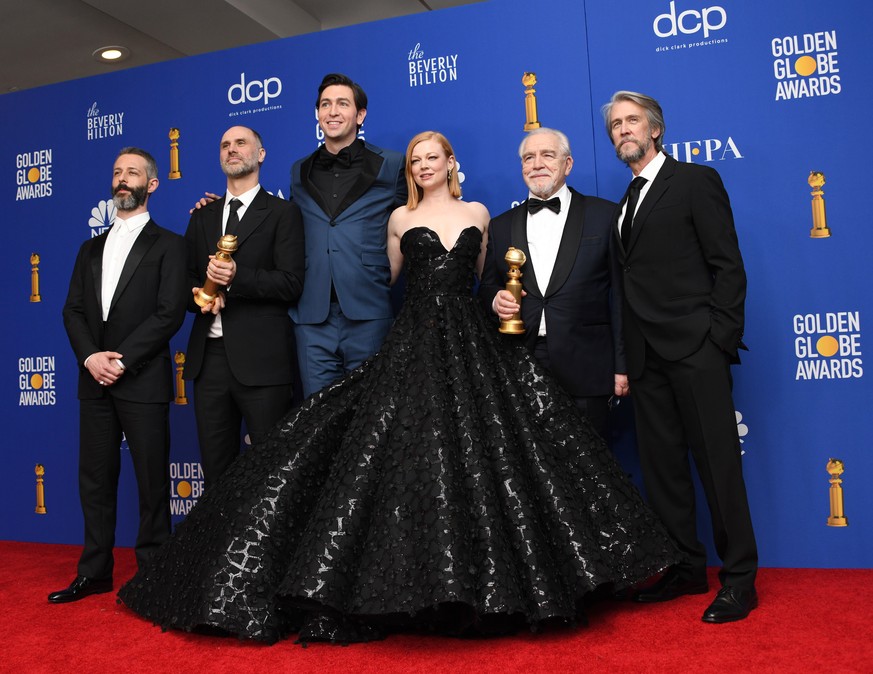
[186,486]
[698,25]
[36,381]
[102,217]
[425,71]
[706,150]
[828,346]
[806,65]
[33,175]
[103,126]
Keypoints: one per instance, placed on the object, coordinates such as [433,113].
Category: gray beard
[629,157]
[137,197]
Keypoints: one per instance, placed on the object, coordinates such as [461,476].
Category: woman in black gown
[447,484]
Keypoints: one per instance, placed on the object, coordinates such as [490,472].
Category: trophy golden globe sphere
[515,257]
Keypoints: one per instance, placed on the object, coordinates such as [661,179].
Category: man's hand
[215,306]
[622,386]
[220,271]
[104,367]
[504,304]
[208,199]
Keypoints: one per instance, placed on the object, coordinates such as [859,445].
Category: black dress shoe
[671,585]
[730,604]
[81,588]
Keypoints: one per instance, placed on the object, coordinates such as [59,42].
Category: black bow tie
[536,205]
[328,161]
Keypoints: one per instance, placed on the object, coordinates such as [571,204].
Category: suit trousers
[221,403]
[327,351]
[687,404]
[146,427]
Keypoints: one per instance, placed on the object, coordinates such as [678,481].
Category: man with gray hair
[571,311]
[684,289]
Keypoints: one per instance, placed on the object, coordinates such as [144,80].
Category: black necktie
[232,217]
[633,196]
[536,205]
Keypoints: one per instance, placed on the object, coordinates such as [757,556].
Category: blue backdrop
[765,94]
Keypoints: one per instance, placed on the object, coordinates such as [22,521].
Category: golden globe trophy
[40,490]
[515,258]
[530,102]
[181,398]
[837,518]
[34,278]
[175,173]
[226,247]
[819,219]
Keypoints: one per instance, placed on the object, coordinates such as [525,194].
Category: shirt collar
[246,197]
[133,223]
[651,169]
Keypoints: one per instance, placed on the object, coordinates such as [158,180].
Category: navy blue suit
[582,299]
[346,252]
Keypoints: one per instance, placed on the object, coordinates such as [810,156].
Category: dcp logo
[255,90]
[690,21]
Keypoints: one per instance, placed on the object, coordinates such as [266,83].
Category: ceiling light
[112,54]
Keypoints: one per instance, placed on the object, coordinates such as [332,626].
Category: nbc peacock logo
[102,217]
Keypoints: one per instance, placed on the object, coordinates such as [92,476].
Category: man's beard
[244,168]
[631,156]
[135,197]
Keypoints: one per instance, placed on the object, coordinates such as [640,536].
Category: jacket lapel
[519,240]
[144,241]
[305,171]
[659,187]
[97,267]
[569,246]
[253,217]
[370,171]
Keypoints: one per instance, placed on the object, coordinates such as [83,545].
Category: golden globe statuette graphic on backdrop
[226,247]
[515,258]
[40,490]
[175,173]
[181,398]
[530,102]
[819,229]
[837,517]
[34,278]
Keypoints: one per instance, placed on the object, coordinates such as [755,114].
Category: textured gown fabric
[447,484]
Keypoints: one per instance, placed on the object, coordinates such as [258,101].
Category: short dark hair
[338,78]
[151,164]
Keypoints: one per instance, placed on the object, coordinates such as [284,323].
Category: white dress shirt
[119,241]
[544,232]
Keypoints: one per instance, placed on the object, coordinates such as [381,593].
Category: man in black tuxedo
[684,293]
[571,311]
[126,300]
[241,351]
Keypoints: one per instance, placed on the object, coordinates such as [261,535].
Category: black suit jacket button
[332,223]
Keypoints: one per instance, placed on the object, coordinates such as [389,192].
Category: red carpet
[809,620]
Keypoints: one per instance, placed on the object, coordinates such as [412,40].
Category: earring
[450,175]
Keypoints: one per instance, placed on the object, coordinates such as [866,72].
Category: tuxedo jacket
[582,302]
[683,274]
[348,250]
[147,309]
[269,279]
